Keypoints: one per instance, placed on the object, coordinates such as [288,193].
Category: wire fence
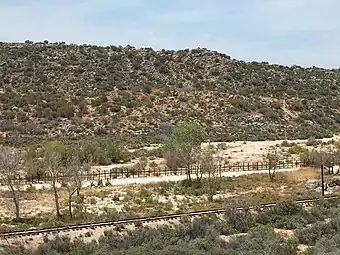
[133,172]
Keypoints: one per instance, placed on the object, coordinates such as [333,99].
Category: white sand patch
[145,180]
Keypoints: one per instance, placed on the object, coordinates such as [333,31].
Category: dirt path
[145,180]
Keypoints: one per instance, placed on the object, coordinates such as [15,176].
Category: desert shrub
[287,208]
[309,235]
[262,240]
[286,215]
[296,149]
[319,213]
[14,250]
[292,222]
[58,245]
[100,131]
[222,146]
[155,152]
[329,245]
[287,144]
[198,228]
[314,158]
[240,220]
[104,152]
[312,142]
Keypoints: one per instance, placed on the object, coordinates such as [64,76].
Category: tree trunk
[78,188]
[211,196]
[70,205]
[210,187]
[189,172]
[272,174]
[17,207]
[56,198]
[210,190]
[16,201]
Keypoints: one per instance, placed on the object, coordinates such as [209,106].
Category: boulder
[106,183]
[334,189]
[312,184]
[86,184]
[335,181]
[100,183]
[94,184]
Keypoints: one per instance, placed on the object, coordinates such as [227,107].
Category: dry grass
[257,188]
[138,200]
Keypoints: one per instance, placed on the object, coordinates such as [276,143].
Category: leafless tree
[220,161]
[142,164]
[74,177]
[172,160]
[273,159]
[53,165]
[10,166]
[209,167]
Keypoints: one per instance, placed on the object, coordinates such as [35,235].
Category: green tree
[58,147]
[185,141]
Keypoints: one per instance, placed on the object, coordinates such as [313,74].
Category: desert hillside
[67,91]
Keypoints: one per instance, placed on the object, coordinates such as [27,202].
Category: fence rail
[125,172]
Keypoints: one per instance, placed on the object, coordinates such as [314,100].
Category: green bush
[287,144]
[194,238]
[286,215]
[240,220]
[104,152]
[296,149]
[312,142]
[309,235]
[262,240]
[326,245]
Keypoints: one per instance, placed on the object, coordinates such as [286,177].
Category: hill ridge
[69,90]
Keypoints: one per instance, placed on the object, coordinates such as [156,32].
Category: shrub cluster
[61,90]
[252,232]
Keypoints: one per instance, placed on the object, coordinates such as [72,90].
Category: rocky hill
[60,90]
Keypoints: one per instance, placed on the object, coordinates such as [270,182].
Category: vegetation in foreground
[181,148]
[111,203]
[288,228]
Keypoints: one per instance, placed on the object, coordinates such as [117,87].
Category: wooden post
[322,182]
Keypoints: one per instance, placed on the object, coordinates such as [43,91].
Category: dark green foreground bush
[196,238]
[206,235]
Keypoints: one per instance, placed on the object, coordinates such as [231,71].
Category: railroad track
[166,217]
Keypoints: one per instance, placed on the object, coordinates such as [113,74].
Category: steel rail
[92,225]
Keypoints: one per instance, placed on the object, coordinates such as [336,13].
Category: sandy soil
[144,180]
[241,151]
[233,152]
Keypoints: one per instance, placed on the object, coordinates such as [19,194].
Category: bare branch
[11,162]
